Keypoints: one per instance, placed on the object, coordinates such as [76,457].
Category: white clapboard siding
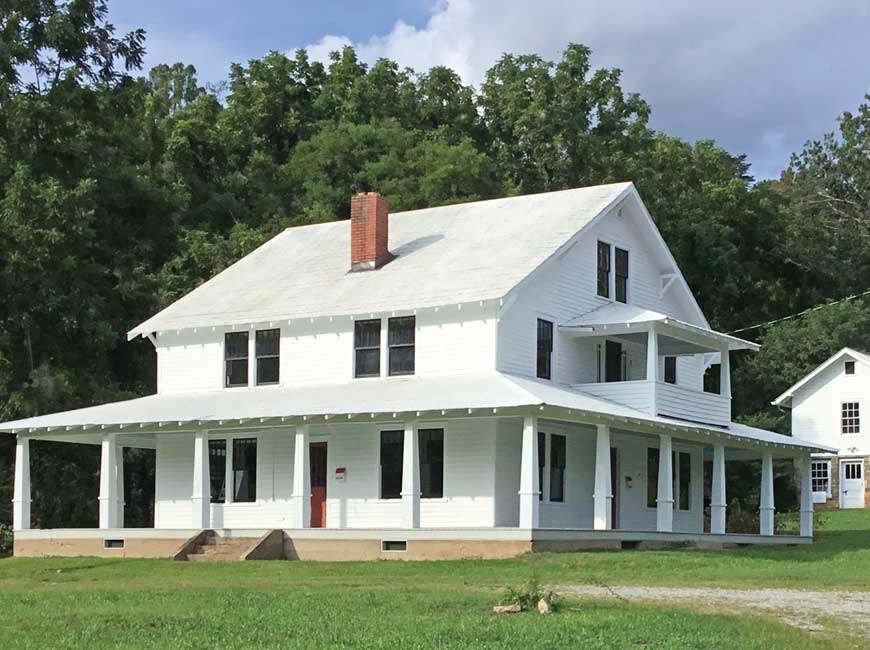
[692,404]
[636,394]
[576,511]
[508,453]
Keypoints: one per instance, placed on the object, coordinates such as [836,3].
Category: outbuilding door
[317,457]
[852,484]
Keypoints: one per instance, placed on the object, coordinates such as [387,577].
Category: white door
[852,484]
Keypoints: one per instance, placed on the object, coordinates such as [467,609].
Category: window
[713,379]
[557,467]
[613,362]
[245,470]
[621,289]
[652,477]
[367,348]
[431,463]
[852,471]
[236,358]
[849,367]
[684,479]
[401,344]
[217,469]
[545,349]
[603,269]
[820,476]
[268,346]
[671,370]
[542,463]
[392,443]
[851,420]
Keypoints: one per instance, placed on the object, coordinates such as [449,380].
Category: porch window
[558,457]
[670,370]
[268,346]
[652,476]
[401,333]
[431,463]
[820,477]
[851,420]
[542,463]
[545,349]
[245,470]
[684,479]
[236,358]
[367,348]
[603,269]
[392,443]
[681,469]
[621,289]
[217,469]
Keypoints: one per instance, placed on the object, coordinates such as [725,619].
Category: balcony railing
[668,400]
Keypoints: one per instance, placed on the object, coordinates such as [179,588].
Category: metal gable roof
[446,255]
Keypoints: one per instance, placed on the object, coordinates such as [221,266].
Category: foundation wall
[141,548]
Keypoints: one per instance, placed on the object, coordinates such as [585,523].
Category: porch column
[603,496]
[652,354]
[665,500]
[201,482]
[301,479]
[119,484]
[725,374]
[410,477]
[766,509]
[530,488]
[21,494]
[108,482]
[717,498]
[806,466]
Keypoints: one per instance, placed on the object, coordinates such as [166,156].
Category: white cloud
[760,78]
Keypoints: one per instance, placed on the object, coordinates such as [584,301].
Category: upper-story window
[545,349]
[401,338]
[268,346]
[612,284]
[851,418]
[849,367]
[671,370]
[367,348]
[236,359]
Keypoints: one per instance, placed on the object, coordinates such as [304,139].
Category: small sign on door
[340,473]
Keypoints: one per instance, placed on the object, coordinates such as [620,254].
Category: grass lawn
[90,603]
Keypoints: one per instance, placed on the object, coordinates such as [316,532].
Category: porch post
[806,468]
[21,494]
[652,354]
[717,498]
[108,482]
[410,477]
[665,500]
[530,488]
[724,373]
[603,496]
[767,508]
[301,479]
[201,482]
[119,485]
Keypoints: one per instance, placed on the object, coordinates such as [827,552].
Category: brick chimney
[369,219]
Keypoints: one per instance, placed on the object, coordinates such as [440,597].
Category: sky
[761,78]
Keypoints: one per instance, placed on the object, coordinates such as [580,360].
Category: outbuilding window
[236,359]
[820,476]
[401,335]
[268,346]
[431,463]
[392,443]
[849,367]
[217,469]
[545,349]
[851,418]
[245,470]
[367,348]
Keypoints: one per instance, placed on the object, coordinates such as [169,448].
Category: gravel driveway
[810,610]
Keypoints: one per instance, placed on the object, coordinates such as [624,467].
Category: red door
[614,485]
[317,456]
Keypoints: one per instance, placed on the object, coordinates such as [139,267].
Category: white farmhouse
[826,409]
[484,379]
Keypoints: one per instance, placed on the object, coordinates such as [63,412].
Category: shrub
[5,540]
[527,596]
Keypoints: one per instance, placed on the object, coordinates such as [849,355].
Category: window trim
[392,346]
[247,359]
[850,418]
[538,323]
[379,347]
[257,358]
[826,494]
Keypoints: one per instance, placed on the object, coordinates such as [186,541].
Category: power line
[801,313]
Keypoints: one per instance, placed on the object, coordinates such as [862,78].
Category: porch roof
[369,398]
[618,315]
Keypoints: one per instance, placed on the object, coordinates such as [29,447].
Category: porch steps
[215,548]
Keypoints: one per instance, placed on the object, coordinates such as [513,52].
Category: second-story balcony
[655,364]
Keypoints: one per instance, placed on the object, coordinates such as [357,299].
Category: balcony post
[530,488]
[652,354]
[665,500]
[603,496]
[21,493]
[806,467]
[717,498]
[725,373]
[767,508]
